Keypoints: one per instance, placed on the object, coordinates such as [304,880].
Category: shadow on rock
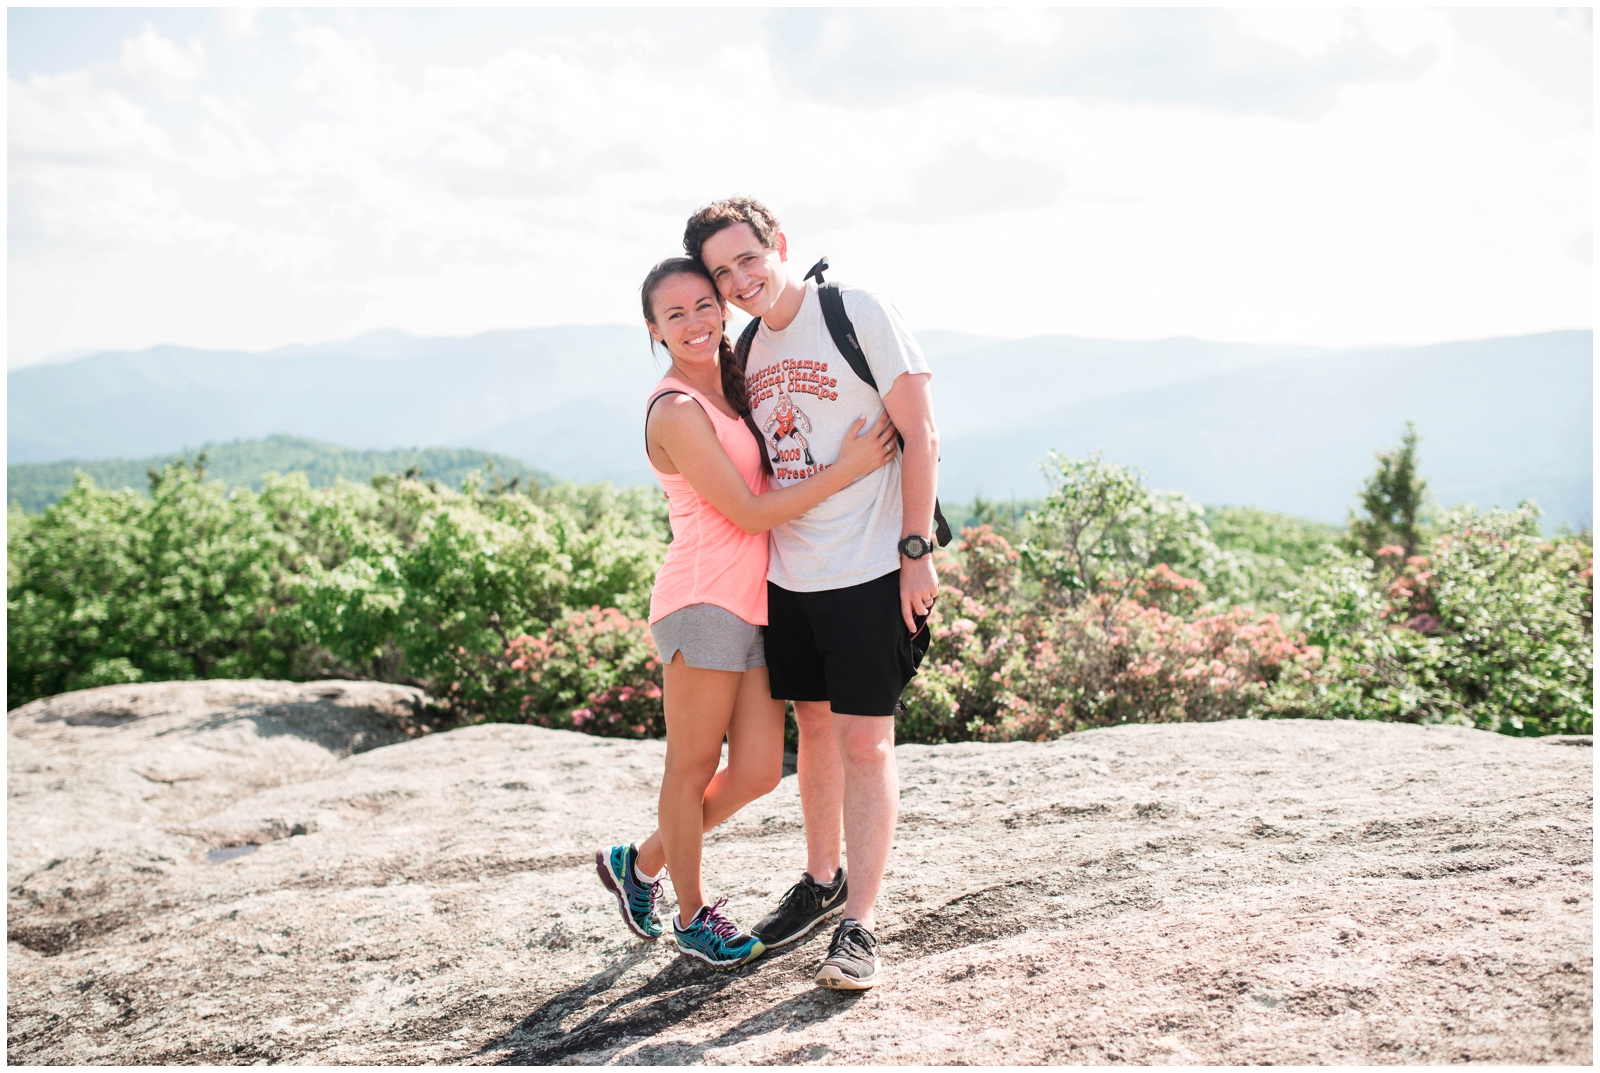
[791,1015]
[674,995]
[678,990]
[342,730]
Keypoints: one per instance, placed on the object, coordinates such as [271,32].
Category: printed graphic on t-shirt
[789,420]
[804,397]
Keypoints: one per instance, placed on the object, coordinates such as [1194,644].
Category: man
[847,592]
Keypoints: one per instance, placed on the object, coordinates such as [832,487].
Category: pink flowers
[593,670]
[1007,669]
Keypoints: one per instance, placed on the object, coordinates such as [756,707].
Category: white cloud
[1307,31]
[322,178]
[69,115]
[1406,30]
[152,64]
[239,23]
[1010,26]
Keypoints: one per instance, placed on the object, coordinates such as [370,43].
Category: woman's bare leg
[699,707]
[755,763]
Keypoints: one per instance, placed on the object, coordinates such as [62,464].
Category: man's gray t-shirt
[805,396]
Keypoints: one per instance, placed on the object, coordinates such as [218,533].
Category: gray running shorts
[711,638]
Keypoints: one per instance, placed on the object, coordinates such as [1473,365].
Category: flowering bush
[979,667]
[594,671]
[1122,661]
[1113,604]
[1492,628]
[1004,667]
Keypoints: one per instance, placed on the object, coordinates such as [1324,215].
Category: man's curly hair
[729,212]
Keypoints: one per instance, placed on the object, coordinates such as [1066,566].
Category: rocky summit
[236,872]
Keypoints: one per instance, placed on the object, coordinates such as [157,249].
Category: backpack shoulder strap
[741,356]
[843,332]
[844,337]
[741,349]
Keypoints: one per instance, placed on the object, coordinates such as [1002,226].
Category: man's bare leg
[821,775]
[870,805]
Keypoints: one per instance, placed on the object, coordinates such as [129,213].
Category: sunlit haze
[248,180]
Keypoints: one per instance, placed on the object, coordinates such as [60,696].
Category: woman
[709,604]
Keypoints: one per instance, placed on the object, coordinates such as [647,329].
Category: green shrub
[401,581]
[1492,628]
[1272,550]
[1005,666]
[109,587]
[1113,603]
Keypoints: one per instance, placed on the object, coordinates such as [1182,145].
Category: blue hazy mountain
[1288,428]
[1501,420]
[373,392]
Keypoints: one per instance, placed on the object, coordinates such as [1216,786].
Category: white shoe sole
[613,883]
[838,981]
[723,966]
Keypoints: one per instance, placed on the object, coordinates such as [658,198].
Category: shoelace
[792,895]
[807,889]
[720,926]
[858,942]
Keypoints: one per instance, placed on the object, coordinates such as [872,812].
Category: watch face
[916,547]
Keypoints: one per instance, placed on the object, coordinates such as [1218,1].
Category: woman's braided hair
[733,386]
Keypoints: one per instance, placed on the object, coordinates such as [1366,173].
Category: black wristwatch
[915,547]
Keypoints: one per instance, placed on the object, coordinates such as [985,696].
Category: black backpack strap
[843,332]
[651,405]
[844,338]
[741,355]
[741,349]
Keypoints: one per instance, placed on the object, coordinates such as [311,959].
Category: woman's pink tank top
[711,560]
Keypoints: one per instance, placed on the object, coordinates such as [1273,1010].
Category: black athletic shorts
[845,646]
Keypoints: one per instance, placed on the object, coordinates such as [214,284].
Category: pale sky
[252,179]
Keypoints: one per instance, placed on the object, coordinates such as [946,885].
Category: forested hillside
[242,464]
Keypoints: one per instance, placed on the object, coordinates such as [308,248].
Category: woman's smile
[689,317]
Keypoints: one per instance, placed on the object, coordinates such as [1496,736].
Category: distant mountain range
[242,463]
[1287,428]
[1501,420]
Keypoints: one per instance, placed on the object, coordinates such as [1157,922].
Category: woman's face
[688,318]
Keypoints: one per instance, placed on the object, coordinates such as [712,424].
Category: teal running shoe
[715,939]
[636,899]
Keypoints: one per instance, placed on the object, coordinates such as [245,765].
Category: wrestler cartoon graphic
[789,420]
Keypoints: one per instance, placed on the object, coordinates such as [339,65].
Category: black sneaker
[807,904]
[852,961]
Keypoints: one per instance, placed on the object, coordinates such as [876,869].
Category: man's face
[748,274]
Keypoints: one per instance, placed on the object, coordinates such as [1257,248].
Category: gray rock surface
[1281,892]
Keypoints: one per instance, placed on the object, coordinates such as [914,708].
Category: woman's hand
[861,454]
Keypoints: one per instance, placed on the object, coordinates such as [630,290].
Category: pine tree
[1393,499]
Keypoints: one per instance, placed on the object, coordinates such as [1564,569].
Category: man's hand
[919,585]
